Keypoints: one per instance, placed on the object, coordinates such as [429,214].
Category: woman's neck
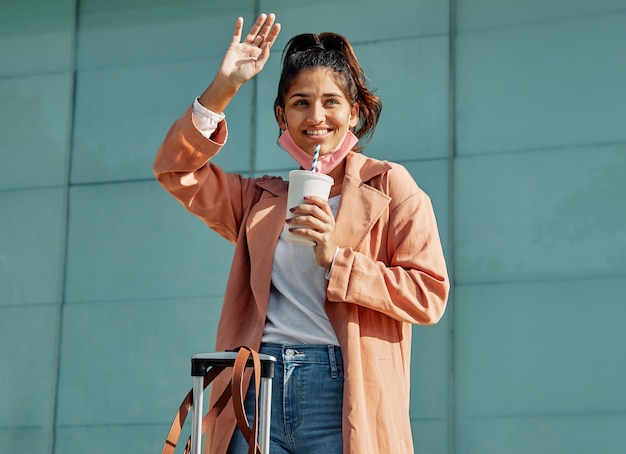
[337,174]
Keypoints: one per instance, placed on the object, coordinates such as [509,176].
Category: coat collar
[361,204]
[363,169]
[359,168]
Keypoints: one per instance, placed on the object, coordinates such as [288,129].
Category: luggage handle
[239,360]
[202,361]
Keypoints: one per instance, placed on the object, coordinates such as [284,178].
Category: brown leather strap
[234,389]
[239,396]
[211,416]
[183,411]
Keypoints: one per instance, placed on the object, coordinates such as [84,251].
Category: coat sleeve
[409,281]
[183,168]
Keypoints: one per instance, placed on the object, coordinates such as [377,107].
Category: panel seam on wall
[451,228]
[64,233]
[253,116]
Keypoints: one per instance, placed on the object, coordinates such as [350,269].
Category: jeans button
[290,352]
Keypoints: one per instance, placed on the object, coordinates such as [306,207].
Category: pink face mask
[326,163]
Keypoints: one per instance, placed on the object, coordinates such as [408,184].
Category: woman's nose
[316,114]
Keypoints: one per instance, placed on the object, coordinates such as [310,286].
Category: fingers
[254,30]
[268,43]
[273,34]
[314,220]
[263,31]
[309,222]
[314,214]
[238,28]
[314,206]
[266,27]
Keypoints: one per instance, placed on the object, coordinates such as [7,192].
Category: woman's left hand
[316,222]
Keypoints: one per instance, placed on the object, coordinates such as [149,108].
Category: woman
[337,315]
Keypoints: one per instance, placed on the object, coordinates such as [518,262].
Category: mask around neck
[326,163]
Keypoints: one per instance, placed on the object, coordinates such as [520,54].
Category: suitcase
[204,368]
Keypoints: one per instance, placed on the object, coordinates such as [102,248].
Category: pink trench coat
[389,274]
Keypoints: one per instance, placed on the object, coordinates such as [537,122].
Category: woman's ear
[354,116]
[280,118]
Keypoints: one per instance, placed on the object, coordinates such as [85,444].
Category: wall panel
[36,37]
[360,20]
[123,115]
[475,15]
[576,434]
[142,32]
[545,85]
[541,215]
[27,368]
[133,241]
[540,348]
[136,354]
[34,125]
[30,246]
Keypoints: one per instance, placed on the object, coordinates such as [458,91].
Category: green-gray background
[509,113]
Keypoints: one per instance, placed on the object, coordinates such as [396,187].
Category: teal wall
[509,113]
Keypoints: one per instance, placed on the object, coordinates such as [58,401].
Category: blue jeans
[307,401]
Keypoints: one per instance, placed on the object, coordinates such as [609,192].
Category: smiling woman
[317,111]
[333,313]
[333,53]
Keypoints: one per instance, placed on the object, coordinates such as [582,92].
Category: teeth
[317,132]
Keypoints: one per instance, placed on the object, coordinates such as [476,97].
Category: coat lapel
[361,204]
[263,228]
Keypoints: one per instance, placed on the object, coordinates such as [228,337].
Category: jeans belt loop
[333,362]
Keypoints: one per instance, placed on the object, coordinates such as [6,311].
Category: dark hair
[332,51]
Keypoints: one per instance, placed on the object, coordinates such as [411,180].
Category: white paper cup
[301,183]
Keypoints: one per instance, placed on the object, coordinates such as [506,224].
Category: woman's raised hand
[245,59]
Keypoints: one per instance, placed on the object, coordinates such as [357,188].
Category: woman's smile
[317,132]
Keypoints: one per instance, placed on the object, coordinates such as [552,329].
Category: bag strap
[239,396]
[181,415]
[235,387]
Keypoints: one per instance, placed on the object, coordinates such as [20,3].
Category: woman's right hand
[243,60]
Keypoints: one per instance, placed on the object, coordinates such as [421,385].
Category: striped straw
[316,156]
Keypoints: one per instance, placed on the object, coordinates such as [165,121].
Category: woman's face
[317,111]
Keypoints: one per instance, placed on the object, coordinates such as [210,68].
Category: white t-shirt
[295,314]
